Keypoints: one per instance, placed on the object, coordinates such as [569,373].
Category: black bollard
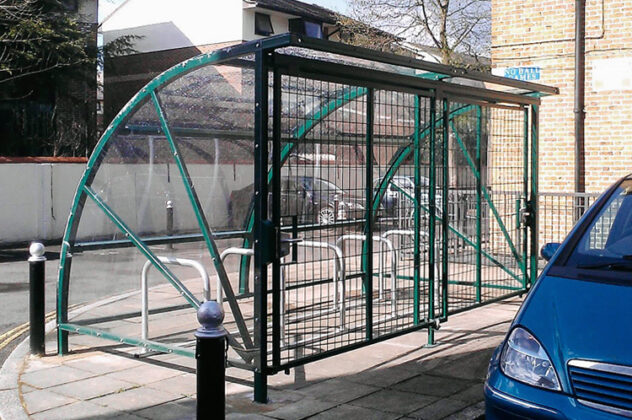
[210,353]
[37,263]
[169,208]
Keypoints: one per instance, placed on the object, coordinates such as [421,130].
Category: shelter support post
[261,216]
[432,202]
[479,213]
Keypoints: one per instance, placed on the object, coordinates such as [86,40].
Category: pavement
[398,378]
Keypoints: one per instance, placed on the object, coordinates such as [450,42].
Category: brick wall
[541,33]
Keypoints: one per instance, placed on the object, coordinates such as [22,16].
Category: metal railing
[558,213]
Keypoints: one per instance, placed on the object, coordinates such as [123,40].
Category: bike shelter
[328,196]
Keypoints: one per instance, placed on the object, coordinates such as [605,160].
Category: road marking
[7,337]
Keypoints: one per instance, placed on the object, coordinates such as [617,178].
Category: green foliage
[40,36]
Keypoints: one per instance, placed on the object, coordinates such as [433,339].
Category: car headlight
[525,360]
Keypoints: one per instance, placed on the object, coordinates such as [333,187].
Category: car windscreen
[606,244]
[403,182]
[327,187]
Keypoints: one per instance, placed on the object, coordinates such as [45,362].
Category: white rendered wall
[163,26]
[279,22]
[37,198]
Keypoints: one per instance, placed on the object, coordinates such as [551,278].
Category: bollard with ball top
[169,208]
[37,262]
[210,353]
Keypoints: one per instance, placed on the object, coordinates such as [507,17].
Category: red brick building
[540,35]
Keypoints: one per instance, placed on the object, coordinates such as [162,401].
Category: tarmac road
[14,288]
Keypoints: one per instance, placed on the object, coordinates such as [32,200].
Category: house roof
[298,8]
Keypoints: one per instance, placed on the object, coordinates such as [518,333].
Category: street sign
[523,73]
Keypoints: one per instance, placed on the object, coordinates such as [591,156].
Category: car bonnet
[578,319]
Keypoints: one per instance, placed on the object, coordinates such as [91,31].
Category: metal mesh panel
[322,202]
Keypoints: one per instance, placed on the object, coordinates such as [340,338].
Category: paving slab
[136,399]
[53,376]
[337,391]
[90,388]
[346,411]
[183,409]
[437,386]
[393,401]
[439,409]
[398,378]
[42,400]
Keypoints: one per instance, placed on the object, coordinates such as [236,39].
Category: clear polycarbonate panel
[139,179]
[209,112]
[105,288]
[149,211]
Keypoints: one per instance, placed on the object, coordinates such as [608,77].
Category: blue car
[568,352]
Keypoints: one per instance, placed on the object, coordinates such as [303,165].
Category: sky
[107,6]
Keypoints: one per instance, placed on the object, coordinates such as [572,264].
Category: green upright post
[417,213]
[368,242]
[525,195]
[533,208]
[261,214]
[479,214]
[432,202]
[446,214]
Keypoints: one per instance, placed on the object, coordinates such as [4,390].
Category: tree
[48,79]
[451,26]
[39,36]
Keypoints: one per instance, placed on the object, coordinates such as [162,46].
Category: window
[607,242]
[263,24]
[306,27]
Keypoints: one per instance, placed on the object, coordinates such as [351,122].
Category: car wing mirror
[549,250]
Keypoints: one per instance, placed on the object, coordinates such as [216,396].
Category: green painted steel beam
[479,213]
[136,342]
[432,229]
[445,150]
[417,212]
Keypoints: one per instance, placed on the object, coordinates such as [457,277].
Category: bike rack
[339,277]
[389,245]
[230,251]
[145,292]
[399,232]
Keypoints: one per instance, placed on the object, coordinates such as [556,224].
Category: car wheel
[326,216]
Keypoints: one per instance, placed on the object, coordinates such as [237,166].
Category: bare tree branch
[452,26]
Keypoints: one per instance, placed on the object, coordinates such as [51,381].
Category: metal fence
[558,213]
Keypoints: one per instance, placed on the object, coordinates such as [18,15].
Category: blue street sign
[523,73]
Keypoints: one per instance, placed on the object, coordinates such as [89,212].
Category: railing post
[210,353]
[37,263]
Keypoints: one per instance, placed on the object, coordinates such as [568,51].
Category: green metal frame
[427,85]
